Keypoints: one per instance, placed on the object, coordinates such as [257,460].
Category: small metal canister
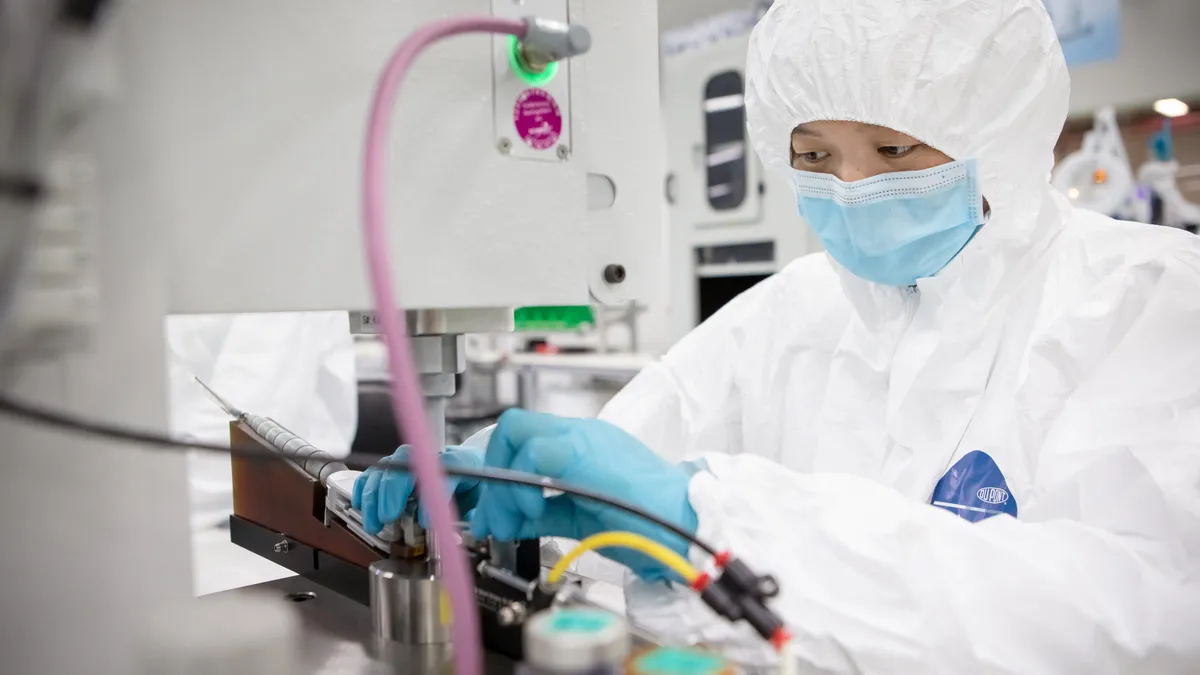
[575,641]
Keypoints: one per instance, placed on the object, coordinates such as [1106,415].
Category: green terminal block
[558,319]
[520,65]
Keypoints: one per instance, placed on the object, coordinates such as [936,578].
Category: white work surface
[550,383]
[220,565]
[617,364]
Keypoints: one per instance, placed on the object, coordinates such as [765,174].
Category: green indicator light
[565,318]
[527,74]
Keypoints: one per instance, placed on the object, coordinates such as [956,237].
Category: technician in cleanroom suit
[297,368]
[967,438]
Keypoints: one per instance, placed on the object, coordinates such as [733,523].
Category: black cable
[82,13]
[21,189]
[355,460]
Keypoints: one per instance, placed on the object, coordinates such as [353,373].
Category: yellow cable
[629,540]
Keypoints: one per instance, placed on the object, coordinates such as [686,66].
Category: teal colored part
[522,70]
[579,621]
[1162,143]
[669,661]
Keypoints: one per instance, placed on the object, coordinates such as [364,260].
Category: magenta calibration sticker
[537,119]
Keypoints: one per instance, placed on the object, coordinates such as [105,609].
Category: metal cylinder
[408,605]
[437,358]
[435,409]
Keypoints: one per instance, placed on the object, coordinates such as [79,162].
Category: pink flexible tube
[407,400]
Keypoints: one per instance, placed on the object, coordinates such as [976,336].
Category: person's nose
[848,173]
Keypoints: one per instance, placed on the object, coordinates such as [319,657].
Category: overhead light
[1171,107]
[1073,193]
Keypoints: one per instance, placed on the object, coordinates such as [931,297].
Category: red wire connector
[738,593]
[780,639]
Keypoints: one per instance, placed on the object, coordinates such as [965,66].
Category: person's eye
[896,151]
[814,157]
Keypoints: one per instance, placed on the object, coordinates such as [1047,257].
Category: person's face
[853,151]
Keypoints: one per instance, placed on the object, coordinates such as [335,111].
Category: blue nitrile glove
[382,495]
[590,454]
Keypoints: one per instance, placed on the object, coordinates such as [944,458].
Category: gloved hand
[382,495]
[590,454]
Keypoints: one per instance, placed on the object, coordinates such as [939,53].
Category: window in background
[725,140]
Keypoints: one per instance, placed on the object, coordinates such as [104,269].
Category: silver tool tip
[221,403]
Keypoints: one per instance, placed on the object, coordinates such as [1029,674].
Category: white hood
[980,90]
[992,86]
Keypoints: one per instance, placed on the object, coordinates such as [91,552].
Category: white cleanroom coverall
[994,471]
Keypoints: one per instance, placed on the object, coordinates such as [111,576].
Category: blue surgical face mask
[894,228]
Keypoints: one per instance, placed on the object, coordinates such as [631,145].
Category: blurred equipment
[593,379]
[572,361]
[1099,176]
[220,150]
[1160,175]
[47,193]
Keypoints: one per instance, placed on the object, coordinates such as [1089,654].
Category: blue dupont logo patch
[974,488]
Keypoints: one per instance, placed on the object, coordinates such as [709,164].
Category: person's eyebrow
[801,130]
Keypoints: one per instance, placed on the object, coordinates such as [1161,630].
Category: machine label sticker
[974,489]
[537,119]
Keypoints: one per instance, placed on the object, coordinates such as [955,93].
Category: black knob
[614,274]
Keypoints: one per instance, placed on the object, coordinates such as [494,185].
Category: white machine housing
[254,115]
[765,220]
